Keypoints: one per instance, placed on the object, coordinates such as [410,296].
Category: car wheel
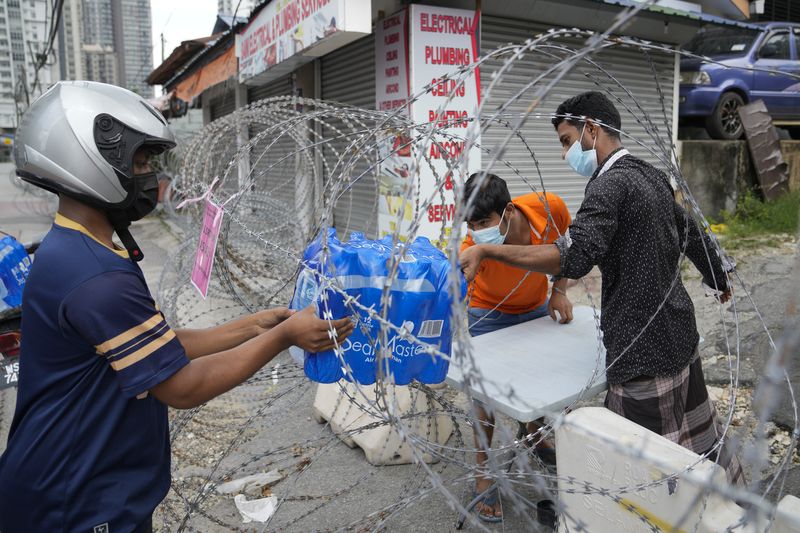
[724,122]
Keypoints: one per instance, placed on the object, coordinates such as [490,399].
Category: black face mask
[146,196]
[144,202]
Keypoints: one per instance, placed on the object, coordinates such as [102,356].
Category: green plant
[759,223]
[757,217]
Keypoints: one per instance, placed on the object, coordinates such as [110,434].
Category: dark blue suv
[712,93]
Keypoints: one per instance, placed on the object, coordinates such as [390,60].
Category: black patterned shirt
[630,225]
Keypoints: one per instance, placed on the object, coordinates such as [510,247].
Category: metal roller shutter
[223,105]
[630,67]
[278,87]
[272,167]
[348,76]
[779,11]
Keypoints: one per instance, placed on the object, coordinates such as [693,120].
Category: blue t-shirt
[88,445]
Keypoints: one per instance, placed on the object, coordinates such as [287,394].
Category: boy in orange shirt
[501,295]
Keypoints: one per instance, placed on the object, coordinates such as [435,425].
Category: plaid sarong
[678,408]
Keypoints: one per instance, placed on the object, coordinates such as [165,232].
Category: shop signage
[417,48]
[288,33]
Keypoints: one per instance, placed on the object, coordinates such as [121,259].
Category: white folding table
[536,368]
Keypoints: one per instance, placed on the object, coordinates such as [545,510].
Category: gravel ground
[312,452]
[267,425]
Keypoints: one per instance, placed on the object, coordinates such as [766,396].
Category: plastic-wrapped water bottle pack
[418,304]
[14,266]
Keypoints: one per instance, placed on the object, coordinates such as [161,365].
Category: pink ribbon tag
[212,222]
[204,258]
[206,195]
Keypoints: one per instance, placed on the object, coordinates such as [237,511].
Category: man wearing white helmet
[88,448]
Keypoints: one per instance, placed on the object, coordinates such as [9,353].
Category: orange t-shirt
[495,280]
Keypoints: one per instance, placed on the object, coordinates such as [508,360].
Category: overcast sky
[180,20]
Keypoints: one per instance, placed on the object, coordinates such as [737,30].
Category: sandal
[488,499]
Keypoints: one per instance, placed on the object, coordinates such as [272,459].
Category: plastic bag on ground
[259,510]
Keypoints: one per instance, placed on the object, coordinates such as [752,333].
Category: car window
[776,46]
[721,41]
[797,43]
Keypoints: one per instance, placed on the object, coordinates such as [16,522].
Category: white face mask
[491,235]
[584,162]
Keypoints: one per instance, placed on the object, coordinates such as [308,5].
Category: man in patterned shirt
[630,225]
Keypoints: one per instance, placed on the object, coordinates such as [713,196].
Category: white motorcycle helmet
[79,138]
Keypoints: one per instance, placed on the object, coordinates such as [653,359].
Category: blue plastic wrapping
[419,302]
[14,266]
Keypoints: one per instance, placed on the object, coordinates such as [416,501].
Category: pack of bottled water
[417,303]
[14,266]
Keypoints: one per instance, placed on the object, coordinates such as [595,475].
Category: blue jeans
[485,320]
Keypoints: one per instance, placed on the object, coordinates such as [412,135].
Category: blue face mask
[584,162]
[490,235]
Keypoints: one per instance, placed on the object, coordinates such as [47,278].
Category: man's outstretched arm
[543,258]
[208,377]
[201,342]
[574,254]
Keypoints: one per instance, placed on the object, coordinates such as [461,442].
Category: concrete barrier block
[716,172]
[633,489]
[787,516]
[332,405]
[382,444]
